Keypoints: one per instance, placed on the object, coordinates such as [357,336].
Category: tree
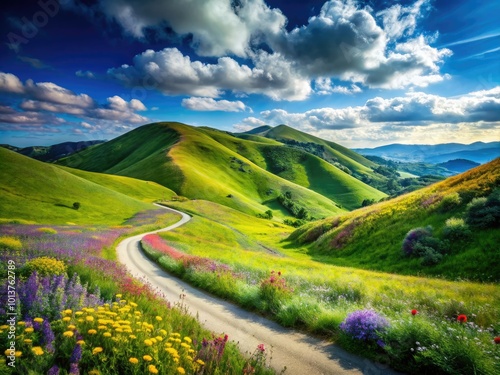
[76,205]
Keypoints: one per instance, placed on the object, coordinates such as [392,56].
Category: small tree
[76,205]
[269,214]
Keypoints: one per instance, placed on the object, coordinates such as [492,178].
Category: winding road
[298,352]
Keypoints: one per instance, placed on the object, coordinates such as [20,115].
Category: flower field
[414,324]
[80,313]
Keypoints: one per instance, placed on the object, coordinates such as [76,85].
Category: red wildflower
[462,318]
[414,312]
[262,349]
[497,340]
[279,273]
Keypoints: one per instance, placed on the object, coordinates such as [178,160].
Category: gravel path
[298,352]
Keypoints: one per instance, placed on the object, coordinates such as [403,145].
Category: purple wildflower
[47,337]
[54,370]
[73,369]
[364,325]
[76,356]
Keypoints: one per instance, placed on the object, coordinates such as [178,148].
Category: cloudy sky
[361,73]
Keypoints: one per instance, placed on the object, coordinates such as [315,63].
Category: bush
[484,212]
[429,256]
[456,230]
[47,230]
[450,202]
[76,205]
[45,266]
[274,291]
[364,325]
[413,237]
[10,243]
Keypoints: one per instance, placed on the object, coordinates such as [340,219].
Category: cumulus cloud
[209,104]
[84,74]
[416,109]
[345,40]
[173,73]
[325,86]
[41,100]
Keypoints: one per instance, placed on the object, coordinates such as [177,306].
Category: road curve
[299,353]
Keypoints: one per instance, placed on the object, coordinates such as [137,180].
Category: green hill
[49,192]
[194,163]
[462,244]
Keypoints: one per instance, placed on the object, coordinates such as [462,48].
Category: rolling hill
[54,152]
[50,192]
[202,163]
[372,237]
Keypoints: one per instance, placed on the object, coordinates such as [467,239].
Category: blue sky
[361,73]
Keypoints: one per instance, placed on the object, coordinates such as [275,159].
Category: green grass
[371,238]
[45,193]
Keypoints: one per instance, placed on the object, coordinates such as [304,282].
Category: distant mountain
[478,152]
[54,152]
[459,165]
[245,174]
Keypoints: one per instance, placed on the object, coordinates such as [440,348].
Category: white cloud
[325,86]
[84,74]
[209,104]
[399,20]
[40,98]
[173,73]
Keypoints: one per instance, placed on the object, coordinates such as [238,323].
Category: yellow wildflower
[118,296]
[66,319]
[29,330]
[102,327]
[89,318]
[80,342]
[133,360]
[133,304]
[18,354]
[181,370]
[72,327]
[38,320]
[97,350]
[28,341]
[163,332]
[37,350]
[107,334]
[21,323]
[200,362]
[78,313]
[5,326]
[68,334]
[94,372]
[152,369]
[147,358]
[188,340]
[159,338]
[148,342]
[159,318]
[91,331]
[67,312]
[132,337]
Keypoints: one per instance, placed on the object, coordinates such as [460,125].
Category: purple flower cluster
[364,325]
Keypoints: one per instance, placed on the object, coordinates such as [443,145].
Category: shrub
[456,230]
[450,202]
[47,230]
[484,212]
[10,243]
[413,237]
[364,325]
[45,266]
[76,205]
[429,256]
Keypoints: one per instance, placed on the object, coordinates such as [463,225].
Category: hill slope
[54,152]
[50,192]
[372,237]
[194,164]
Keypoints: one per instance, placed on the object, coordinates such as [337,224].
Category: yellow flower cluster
[114,329]
[45,266]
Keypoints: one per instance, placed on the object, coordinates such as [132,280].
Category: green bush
[449,202]
[76,205]
[484,212]
[456,230]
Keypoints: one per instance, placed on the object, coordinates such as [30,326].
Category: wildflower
[37,320]
[66,319]
[73,369]
[54,370]
[133,360]
[97,350]
[152,369]
[80,342]
[496,340]
[89,318]
[148,342]
[76,355]
[18,354]
[29,330]
[37,350]
[462,318]
[94,372]
[21,323]
[72,327]
[188,340]
[107,334]
[28,341]
[180,370]
[364,324]
[414,312]
[200,362]
[159,318]
[91,331]
[68,334]
[163,332]
[132,337]
[147,358]
[67,312]
[261,348]
[118,296]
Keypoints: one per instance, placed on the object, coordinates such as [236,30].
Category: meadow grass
[44,193]
[323,295]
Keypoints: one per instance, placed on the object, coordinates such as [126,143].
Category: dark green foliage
[413,237]
[456,231]
[367,202]
[294,223]
[449,202]
[294,208]
[484,212]
[419,243]
[76,205]
[266,215]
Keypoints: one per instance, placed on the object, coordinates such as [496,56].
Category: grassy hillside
[45,193]
[372,237]
[191,162]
